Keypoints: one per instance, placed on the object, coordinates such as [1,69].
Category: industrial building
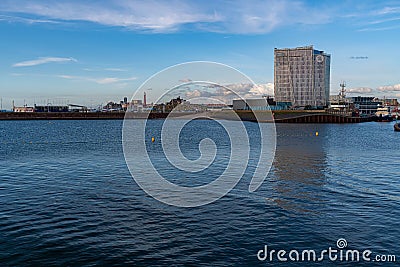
[302,76]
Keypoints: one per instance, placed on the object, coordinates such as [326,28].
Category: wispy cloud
[379,28]
[105,80]
[383,17]
[43,60]
[389,10]
[105,69]
[115,69]
[228,17]
[158,16]
[27,20]
[254,16]
[383,20]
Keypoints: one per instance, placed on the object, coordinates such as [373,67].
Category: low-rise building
[77,108]
[51,108]
[260,104]
[24,109]
[366,105]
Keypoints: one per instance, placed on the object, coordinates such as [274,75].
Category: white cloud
[106,80]
[255,16]
[232,91]
[115,69]
[198,93]
[105,69]
[263,89]
[359,90]
[43,60]
[114,80]
[389,88]
[251,91]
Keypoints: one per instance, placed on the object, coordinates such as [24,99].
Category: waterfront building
[135,105]
[302,76]
[366,105]
[77,108]
[390,102]
[23,109]
[112,106]
[51,108]
[169,106]
[250,104]
[217,107]
[335,103]
[136,102]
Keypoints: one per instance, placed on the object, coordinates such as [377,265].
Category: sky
[89,52]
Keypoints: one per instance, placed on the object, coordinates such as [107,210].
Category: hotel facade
[302,76]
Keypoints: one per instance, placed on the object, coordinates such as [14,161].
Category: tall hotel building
[302,76]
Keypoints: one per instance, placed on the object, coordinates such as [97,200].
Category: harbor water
[68,198]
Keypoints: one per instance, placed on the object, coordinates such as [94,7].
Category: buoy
[153,139]
[316,133]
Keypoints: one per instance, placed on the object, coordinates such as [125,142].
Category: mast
[342,92]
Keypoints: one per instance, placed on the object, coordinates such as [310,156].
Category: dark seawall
[61,115]
[279,116]
[289,116]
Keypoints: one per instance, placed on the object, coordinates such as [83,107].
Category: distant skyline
[89,52]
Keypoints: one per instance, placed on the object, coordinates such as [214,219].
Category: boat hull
[386,118]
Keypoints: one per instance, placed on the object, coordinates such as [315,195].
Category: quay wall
[278,117]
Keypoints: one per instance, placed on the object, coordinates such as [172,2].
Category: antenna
[342,92]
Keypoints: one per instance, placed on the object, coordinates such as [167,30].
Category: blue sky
[89,52]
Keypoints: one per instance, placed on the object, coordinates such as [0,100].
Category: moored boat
[383,114]
[384,118]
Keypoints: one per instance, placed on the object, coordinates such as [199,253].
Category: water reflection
[298,174]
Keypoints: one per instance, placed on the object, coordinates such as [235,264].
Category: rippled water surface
[67,197]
